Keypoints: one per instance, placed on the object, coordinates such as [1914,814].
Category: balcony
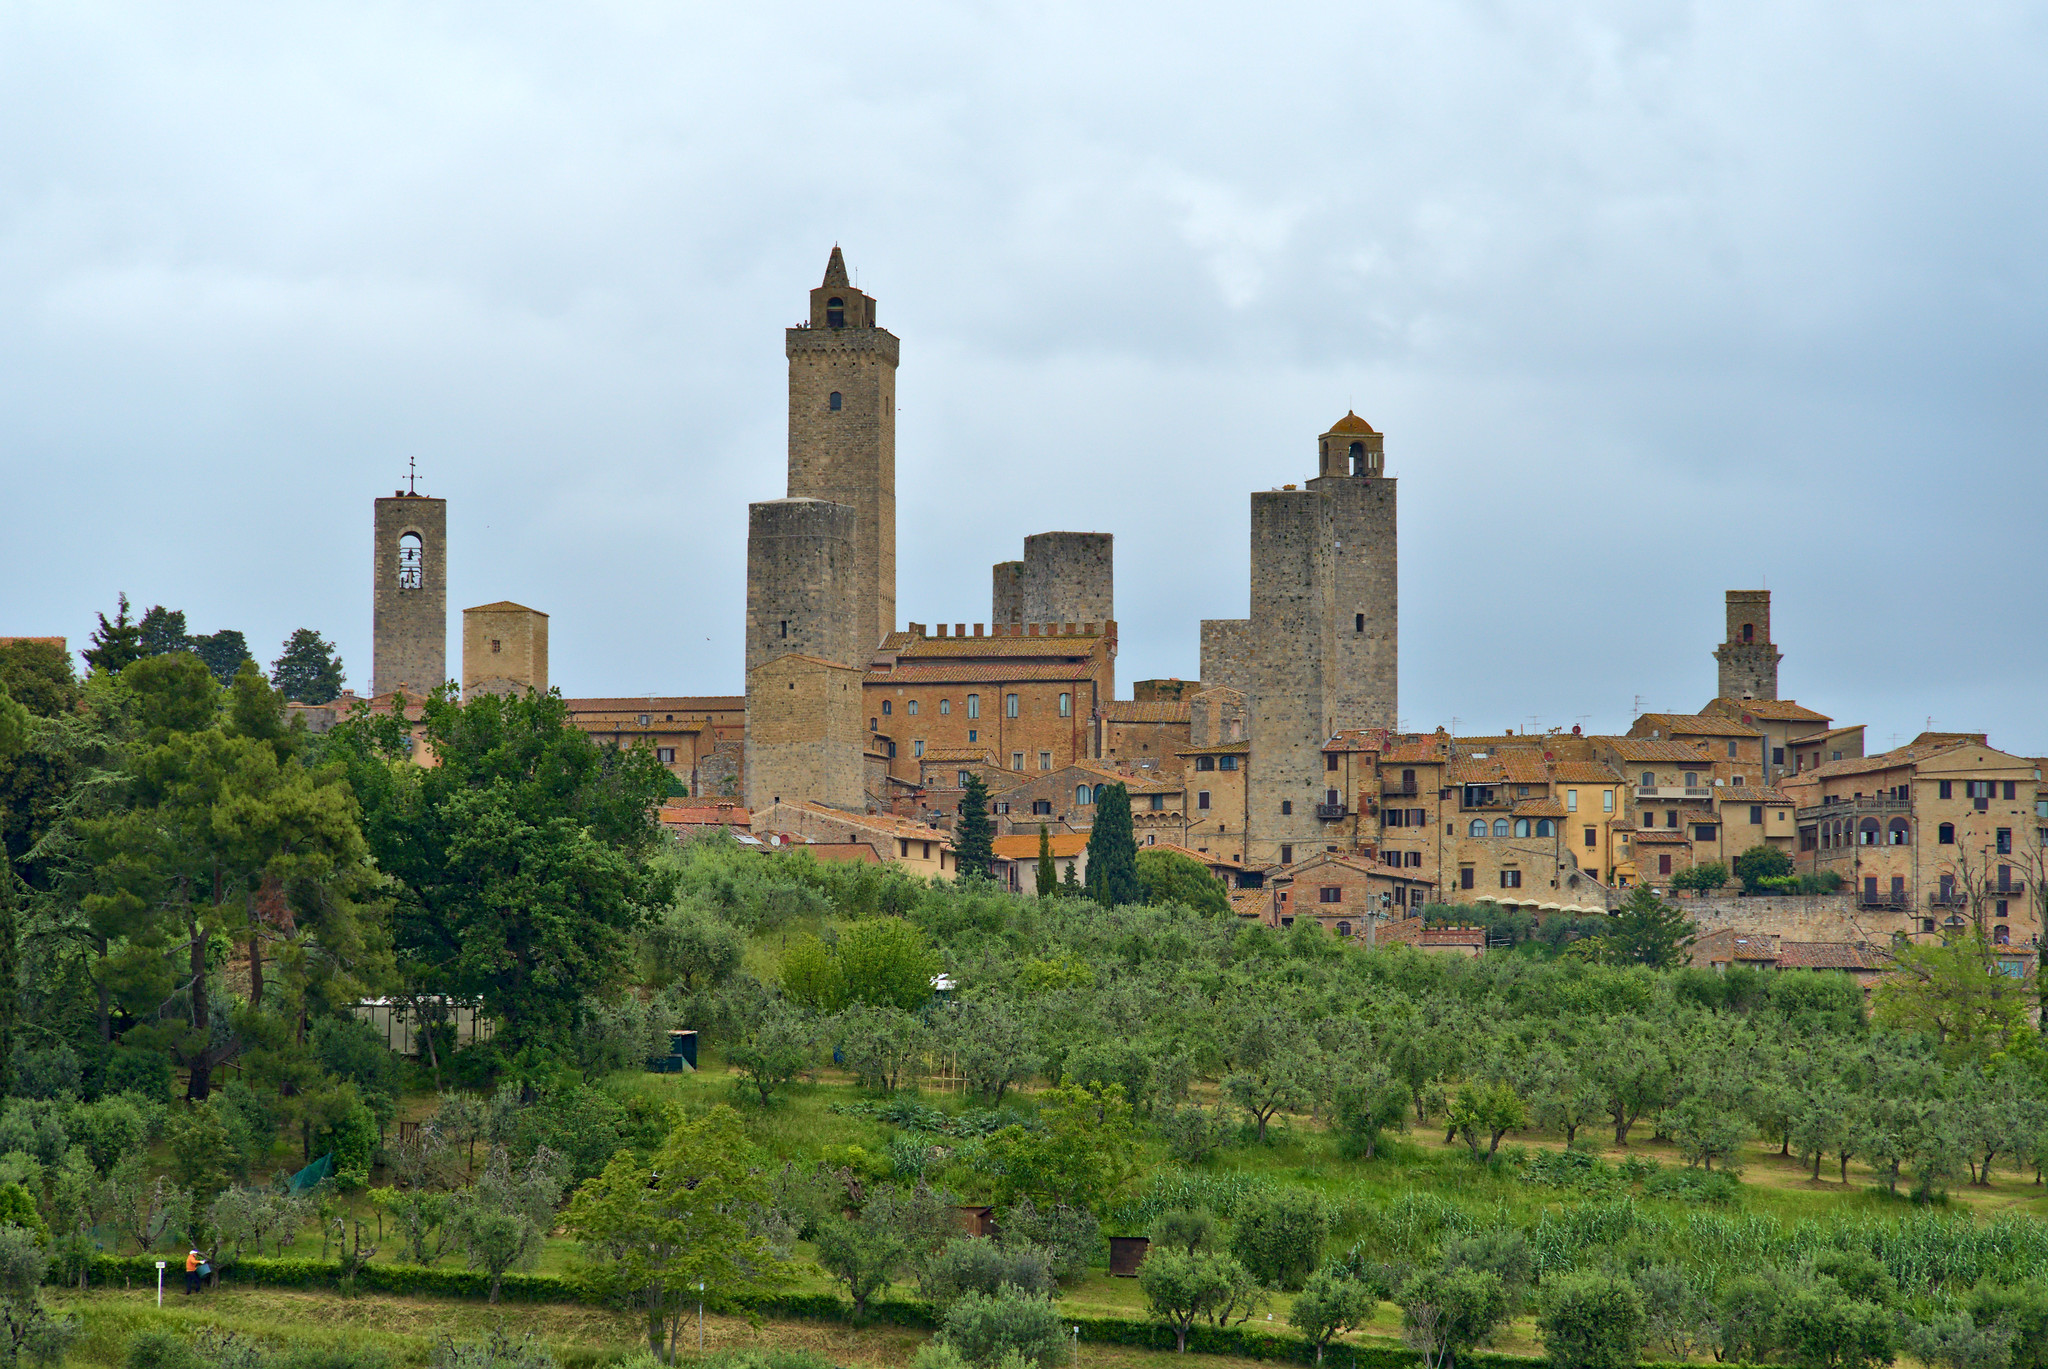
[2016,889]
[1398,789]
[1883,898]
[1330,812]
[1855,808]
[1947,898]
[1674,791]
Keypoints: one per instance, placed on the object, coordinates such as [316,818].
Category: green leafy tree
[1645,930]
[1591,1321]
[308,671]
[781,1044]
[39,676]
[1330,1304]
[1080,1154]
[14,722]
[1446,1314]
[1821,1327]
[1279,1235]
[662,1233]
[1070,882]
[1633,1074]
[986,1328]
[1746,1318]
[29,1330]
[1959,994]
[812,976]
[517,862]
[1486,1111]
[502,1219]
[863,1253]
[974,838]
[116,645]
[1186,1229]
[1047,881]
[1760,864]
[992,1049]
[1272,1069]
[887,963]
[1703,878]
[1366,1108]
[1113,849]
[1182,1287]
[1168,877]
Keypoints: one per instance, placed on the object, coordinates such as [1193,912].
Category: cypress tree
[1048,878]
[117,644]
[974,838]
[1113,849]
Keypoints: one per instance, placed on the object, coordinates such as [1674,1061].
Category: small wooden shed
[1126,1253]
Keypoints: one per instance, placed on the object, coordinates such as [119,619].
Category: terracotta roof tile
[1539,808]
[707,815]
[1654,749]
[1694,725]
[685,703]
[1250,902]
[1777,710]
[1662,834]
[1226,749]
[1826,955]
[1583,772]
[1024,846]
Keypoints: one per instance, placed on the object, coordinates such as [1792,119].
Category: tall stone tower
[1365,641]
[409,595]
[1749,660]
[802,579]
[842,436]
[1320,653]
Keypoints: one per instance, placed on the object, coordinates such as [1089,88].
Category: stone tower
[1065,577]
[504,649]
[803,582]
[409,595]
[842,436]
[1365,640]
[1320,653]
[1749,660]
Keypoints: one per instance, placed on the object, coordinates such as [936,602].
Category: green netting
[310,1177]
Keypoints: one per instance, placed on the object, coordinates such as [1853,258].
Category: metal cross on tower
[411,475]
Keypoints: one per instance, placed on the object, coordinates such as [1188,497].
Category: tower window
[785,627]
[1358,623]
[1748,633]
[836,401]
[835,315]
[497,645]
[1358,458]
[411,562]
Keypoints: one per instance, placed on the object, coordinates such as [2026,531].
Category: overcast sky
[1651,300]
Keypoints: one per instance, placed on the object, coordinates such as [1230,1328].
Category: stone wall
[1813,917]
[1365,614]
[1748,669]
[1069,577]
[1006,597]
[408,620]
[804,735]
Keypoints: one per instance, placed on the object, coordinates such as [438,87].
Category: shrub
[1279,1236]
[1592,1321]
[983,1327]
[154,1349]
[973,1265]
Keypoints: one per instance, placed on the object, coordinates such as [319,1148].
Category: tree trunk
[256,966]
[201,1081]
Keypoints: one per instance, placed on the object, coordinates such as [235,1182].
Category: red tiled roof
[1539,808]
[1654,749]
[1777,710]
[689,703]
[1826,955]
[1024,846]
[1694,725]
[707,815]
[1126,711]
[1661,835]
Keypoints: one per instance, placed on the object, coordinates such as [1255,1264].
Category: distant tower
[504,649]
[1749,660]
[802,579]
[1065,577]
[409,597]
[842,437]
[1365,639]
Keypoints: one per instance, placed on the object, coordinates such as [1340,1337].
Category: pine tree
[162,632]
[116,645]
[308,672]
[1070,884]
[974,839]
[1048,878]
[1113,849]
[223,653]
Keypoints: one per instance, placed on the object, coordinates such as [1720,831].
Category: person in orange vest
[192,1263]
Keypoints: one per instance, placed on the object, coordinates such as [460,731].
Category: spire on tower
[835,269]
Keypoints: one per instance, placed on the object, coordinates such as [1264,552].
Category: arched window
[836,402]
[2001,935]
[1343,929]
[1545,827]
[911,708]
[1897,835]
[1500,827]
[1479,827]
[411,562]
[1866,833]
[1748,633]
[1521,827]
[835,313]
[885,708]
[1946,834]
[974,705]
[1082,794]
[945,708]
[1358,458]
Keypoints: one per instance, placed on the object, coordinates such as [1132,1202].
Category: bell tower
[1749,659]
[409,594]
[842,438]
[1365,609]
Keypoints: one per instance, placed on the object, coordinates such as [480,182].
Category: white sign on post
[159,1283]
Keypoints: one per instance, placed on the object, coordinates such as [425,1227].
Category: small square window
[1286,807]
